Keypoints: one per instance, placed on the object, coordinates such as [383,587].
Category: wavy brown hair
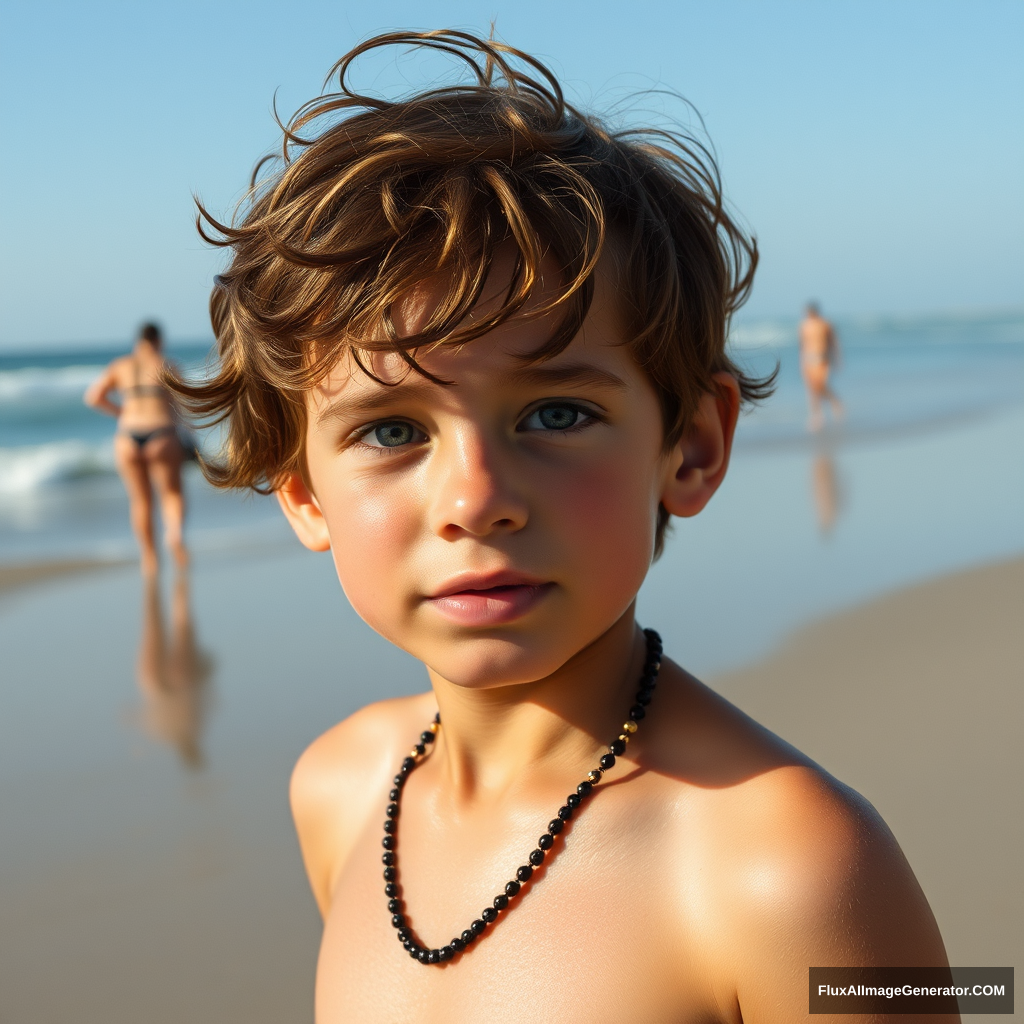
[372,197]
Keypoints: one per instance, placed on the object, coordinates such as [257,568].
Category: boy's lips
[488,600]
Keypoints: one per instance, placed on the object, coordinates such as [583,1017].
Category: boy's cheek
[609,523]
[372,535]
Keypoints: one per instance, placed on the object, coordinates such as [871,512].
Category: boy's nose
[473,492]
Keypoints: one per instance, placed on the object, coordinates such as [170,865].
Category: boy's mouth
[490,600]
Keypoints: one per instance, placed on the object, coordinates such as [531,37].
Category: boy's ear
[699,461]
[300,507]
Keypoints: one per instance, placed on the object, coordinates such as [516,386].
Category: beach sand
[137,889]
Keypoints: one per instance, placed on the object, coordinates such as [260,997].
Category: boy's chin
[488,663]
[518,659]
[516,654]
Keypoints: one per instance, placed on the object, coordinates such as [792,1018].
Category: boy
[475,344]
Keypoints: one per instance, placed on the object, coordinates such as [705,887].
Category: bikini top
[138,390]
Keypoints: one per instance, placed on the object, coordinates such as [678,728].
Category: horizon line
[964,314]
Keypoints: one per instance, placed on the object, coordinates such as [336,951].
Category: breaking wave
[37,384]
[30,468]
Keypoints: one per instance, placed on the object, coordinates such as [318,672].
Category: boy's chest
[595,937]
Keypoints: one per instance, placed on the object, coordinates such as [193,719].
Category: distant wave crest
[33,467]
[33,384]
[762,334]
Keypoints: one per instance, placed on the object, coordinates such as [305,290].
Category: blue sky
[876,149]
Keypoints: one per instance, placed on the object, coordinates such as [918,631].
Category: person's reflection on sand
[172,673]
[826,491]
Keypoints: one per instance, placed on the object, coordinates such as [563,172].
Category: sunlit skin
[715,863]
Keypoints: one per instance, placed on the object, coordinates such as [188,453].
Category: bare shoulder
[121,367]
[341,779]
[110,378]
[786,866]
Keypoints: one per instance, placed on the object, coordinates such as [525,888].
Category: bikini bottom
[143,437]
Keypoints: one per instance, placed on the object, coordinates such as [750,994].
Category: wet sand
[138,888]
[13,577]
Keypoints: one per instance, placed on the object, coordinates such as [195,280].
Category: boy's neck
[492,739]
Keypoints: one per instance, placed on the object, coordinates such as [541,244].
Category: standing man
[819,352]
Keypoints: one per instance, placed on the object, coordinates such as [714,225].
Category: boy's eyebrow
[370,401]
[541,375]
[579,374]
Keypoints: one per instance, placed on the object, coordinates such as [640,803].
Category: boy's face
[494,527]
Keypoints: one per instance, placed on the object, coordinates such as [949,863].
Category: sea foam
[30,468]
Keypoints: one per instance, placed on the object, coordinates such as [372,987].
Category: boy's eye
[391,434]
[557,416]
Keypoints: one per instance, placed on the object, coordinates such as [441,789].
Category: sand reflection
[173,672]
[826,491]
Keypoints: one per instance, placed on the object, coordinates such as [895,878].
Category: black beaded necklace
[396,906]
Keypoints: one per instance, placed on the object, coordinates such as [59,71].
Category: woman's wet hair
[370,198]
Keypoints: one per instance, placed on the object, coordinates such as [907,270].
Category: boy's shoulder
[336,784]
[778,854]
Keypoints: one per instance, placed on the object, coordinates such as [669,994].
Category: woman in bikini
[147,449]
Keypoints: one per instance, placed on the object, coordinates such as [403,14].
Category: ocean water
[60,497]
[59,492]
